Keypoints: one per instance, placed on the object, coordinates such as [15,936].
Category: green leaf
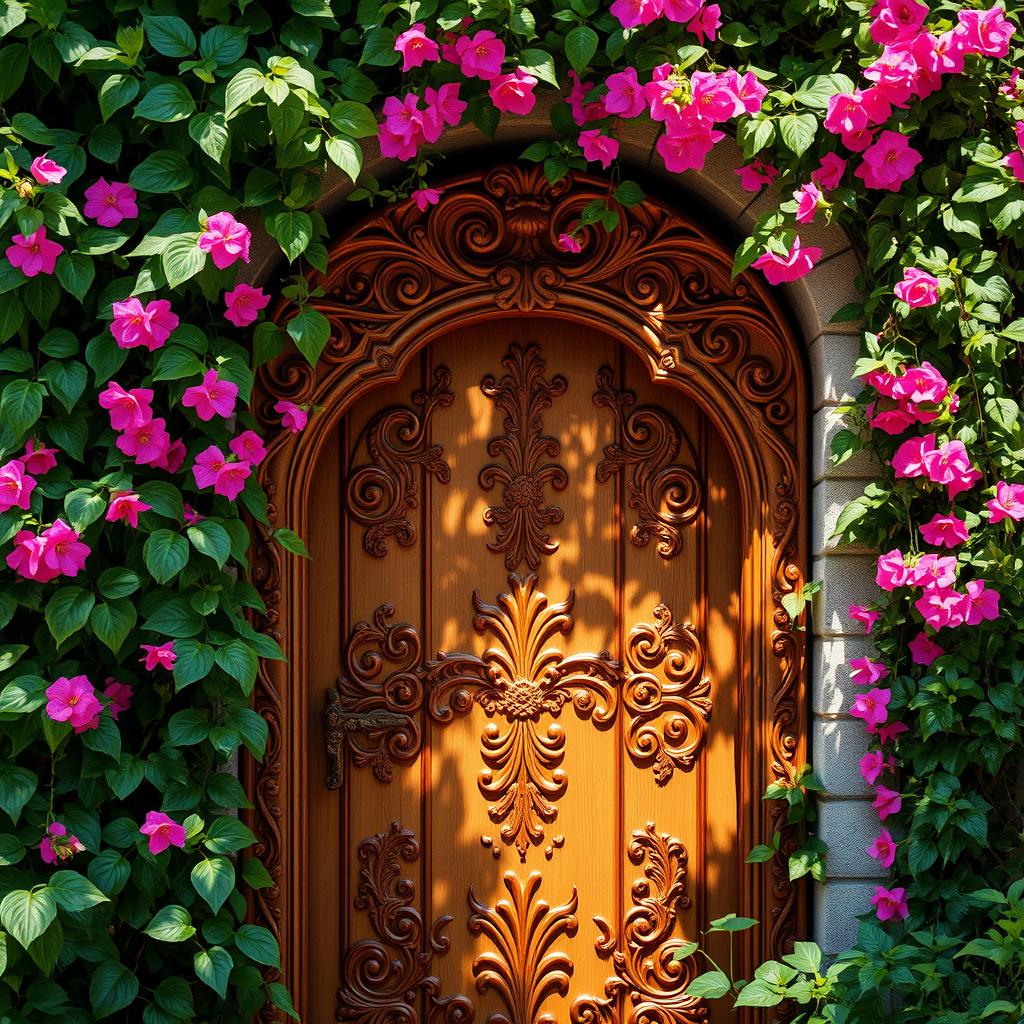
[759,993]
[540,64]
[76,273]
[291,541]
[112,987]
[710,985]
[11,16]
[11,851]
[19,697]
[258,944]
[346,155]
[188,727]
[379,48]
[239,661]
[223,44]
[194,662]
[117,91]
[761,854]
[798,131]
[164,171]
[166,103]
[164,498]
[293,231]
[226,835]
[117,582]
[355,120]
[212,967]
[806,956]
[65,380]
[211,132]
[112,621]
[818,89]
[214,879]
[732,923]
[211,539]
[174,618]
[182,259]
[165,554]
[17,786]
[580,46]
[255,875]
[176,362]
[170,924]
[21,404]
[246,84]
[310,330]
[68,611]
[169,35]
[73,891]
[109,872]
[83,506]
[27,914]
[174,996]
[281,998]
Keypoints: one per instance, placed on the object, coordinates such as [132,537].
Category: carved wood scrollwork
[383,978]
[522,968]
[381,495]
[647,977]
[666,494]
[523,517]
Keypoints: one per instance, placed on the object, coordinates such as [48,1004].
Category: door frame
[660,284]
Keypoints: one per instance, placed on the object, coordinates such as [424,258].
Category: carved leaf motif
[647,980]
[381,495]
[666,494]
[522,968]
[523,517]
[383,978]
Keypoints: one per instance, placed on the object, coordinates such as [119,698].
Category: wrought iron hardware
[339,723]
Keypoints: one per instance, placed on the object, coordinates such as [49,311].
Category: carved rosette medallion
[382,979]
[666,493]
[522,968]
[381,494]
[522,519]
[648,983]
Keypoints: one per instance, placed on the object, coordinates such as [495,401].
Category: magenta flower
[947,463]
[293,417]
[891,570]
[120,696]
[416,47]
[248,446]
[636,12]
[513,93]
[918,288]
[174,457]
[896,20]
[212,469]
[859,613]
[797,263]
[62,550]
[598,147]
[756,175]
[865,672]
[681,11]
[110,202]
[34,254]
[924,650]
[569,242]
[208,464]
[883,849]
[425,197]
[808,201]
[933,570]
[443,103]
[27,558]
[147,443]
[707,23]
[686,143]
[830,171]
[159,656]
[480,56]
[909,460]
[714,96]
[73,700]
[888,162]
[163,832]
[919,384]
[872,764]
[979,604]
[214,397]
[940,607]
[1007,504]
[190,515]
[887,801]
[244,304]
[125,507]
[38,461]
[149,326]
[945,530]
[888,732]
[47,171]
[225,239]
[126,408]
[15,486]
[986,32]
[890,904]
[872,706]
[57,845]
[625,96]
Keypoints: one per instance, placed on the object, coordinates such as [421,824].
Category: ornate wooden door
[540,675]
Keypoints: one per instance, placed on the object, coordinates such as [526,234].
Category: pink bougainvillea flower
[873,763]
[569,242]
[110,202]
[941,607]
[416,47]
[921,384]
[426,197]
[231,479]
[599,147]
[986,32]
[686,145]
[480,56]
[225,239]
[190,515]
[174,458]
[883,849]
[15,486]
[891,570]
[980,603]
[859,613]
[47,171]
[756,175]
[159,656]
[681,11]
[896,20]
[808,201]
[947,462]
[125,507]
[890,904]
[120,696]
[888,162]
[707,23]
[149,326]
[850,113]
[830,171]
[444,102]
[208,464]
[887,801]
[714,96]
[779,269]
[636,12]
[27,558]
[58,845]
[1015,162]
[750,91]
[924,650]
[62,549]
[163,831]
[944,530]
[34,254]
[38,461]
[888,732]
[1007,504]
[513,93]
[865,672]
[933,570]
[892,421]
[127,408]
[244,304]
[404,127]
[625,97]
[72,700]
[918,288]
[214,397]
[147,443]
[293,417]
[248,446]
[872,706]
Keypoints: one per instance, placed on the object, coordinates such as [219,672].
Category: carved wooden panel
[554,502]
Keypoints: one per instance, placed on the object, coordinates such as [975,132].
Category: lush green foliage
[212,106]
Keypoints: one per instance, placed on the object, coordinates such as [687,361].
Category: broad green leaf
[182,258]
[226,835]
[355,120]
[258,944]
[310,330]
[112,621]
[19,697]
[83,506]
[67,611]
[109,872]
[293,231]
[117,91]
[214,879]
[76,273]
[212,967]
[163,171]
[112,987]
[194,661]
[710,985]
[17,786]
[169,35]
[27,914]
[73,891]
[239,661]
[170,924]
[21,404]
[245,85]
[580,46]
[166,103]
[346,155]
[211,539]
[798,131]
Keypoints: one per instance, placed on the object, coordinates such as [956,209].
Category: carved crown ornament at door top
[376,713]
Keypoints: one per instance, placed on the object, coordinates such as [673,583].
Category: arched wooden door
[539,672]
